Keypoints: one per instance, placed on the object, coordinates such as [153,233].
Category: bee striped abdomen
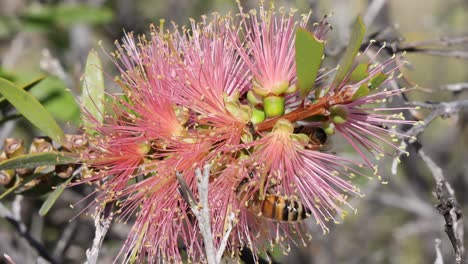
[282,209]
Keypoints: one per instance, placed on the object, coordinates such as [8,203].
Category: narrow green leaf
[357,35]
[359,73]
[27,86]
[32,110]
[37,159]
[361,91]
[309,52]
[33,83]
[93,87]
[377,80]
[20,183]
[47,17]
[68,15]
[49,202]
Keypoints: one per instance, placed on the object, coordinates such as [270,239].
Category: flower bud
[254,99]
[338,114]
[273,105]
[329,128]
[257,116]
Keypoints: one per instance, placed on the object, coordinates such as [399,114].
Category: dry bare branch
[102,222]
[448,207]
[201,210]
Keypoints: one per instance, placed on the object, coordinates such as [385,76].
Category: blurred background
[395,223]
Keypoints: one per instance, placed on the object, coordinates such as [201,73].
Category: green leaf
[55,96]
[49,202]
[309,52]
[359,73]
[93,87]
[37,159]
[69,15]
[20,183]
[357,35]
[27,86]
[361,91]
[32,110]
[65,15]
[377,80]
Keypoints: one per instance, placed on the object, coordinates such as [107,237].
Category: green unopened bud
[338,114]
[338,120]
[257,116]
[329,128]
[254,99]
[273,105]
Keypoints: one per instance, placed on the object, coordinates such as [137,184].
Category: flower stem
[319,107]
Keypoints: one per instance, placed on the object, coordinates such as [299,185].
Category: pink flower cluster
[192,96]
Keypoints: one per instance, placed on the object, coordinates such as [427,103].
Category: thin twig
[373,10]
[201,210]
[439,259]
[448,207]
[443,109]
[417,47]
[444,41]
[224,241]
[455,87]
[102,222]
[65,239]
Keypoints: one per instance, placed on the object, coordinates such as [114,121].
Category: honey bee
[318,137]
[279,208]
[274,207]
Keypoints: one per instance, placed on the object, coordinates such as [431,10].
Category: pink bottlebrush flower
[281,166]
[360,121]
[180,109]
[185,103]
[269,48]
